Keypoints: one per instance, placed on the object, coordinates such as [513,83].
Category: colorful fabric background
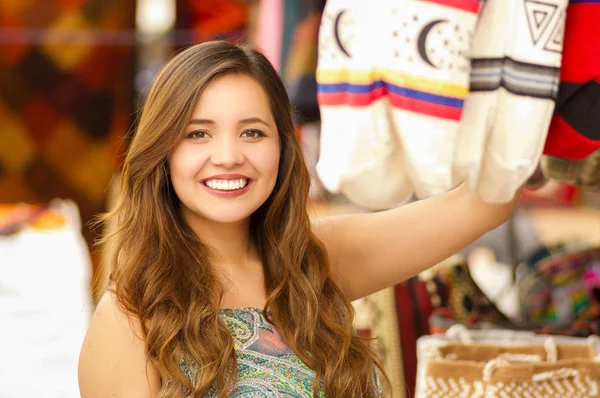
[200,21]
[66,80]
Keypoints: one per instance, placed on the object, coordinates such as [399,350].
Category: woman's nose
[227,152]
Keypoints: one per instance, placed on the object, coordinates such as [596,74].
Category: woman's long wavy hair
[161,271]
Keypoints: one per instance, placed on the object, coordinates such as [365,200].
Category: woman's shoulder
[112,318]
[113,359]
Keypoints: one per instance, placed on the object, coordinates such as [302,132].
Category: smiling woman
[221,286]
[216,266]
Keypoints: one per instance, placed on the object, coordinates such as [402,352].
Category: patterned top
[267,367]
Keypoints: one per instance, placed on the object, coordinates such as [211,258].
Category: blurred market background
[73,74]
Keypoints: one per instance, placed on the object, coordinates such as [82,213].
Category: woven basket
[471,341]
[574,378]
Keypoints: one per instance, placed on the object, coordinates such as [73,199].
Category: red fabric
[213,19]
[565,142]
[408,337]
[466,5]
[413,304]
[581,50]
[580,65]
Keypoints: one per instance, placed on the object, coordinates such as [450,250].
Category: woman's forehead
[233,96]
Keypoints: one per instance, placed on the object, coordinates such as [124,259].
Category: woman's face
[225,166]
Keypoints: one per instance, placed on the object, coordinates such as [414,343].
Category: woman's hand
[494,214]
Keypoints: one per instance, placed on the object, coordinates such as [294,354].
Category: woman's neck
[234,259]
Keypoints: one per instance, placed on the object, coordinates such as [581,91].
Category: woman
[221,286]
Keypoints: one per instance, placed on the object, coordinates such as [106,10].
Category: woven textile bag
[549,352]
[503,378]
[479,344]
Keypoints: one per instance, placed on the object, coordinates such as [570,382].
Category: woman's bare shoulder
[113,360]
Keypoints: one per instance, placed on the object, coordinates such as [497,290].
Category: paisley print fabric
[267,367]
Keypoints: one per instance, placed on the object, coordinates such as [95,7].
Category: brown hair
[161,270]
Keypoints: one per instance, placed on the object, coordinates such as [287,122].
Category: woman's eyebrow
[251,120]
[248,120]
[202,121]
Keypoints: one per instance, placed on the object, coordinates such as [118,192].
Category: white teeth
[226,185]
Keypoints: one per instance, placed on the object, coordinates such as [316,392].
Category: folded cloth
[390,112]
[514,80]
[359,153]
[427,79]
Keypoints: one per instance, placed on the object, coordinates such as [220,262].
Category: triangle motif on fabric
[539,15]
[555,40]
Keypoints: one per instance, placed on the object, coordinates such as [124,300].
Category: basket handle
[558,374]
[551,350]
[507,359]
[459,332]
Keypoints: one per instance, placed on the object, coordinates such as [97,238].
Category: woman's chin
[229,219]
[229,215]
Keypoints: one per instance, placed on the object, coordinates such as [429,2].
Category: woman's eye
[197,134]
[253,133]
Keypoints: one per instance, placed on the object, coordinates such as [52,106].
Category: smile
[227,189]
[226,185]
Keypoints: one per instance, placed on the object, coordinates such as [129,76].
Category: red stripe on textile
[425,107]
[465,5]
[398,101]
[565,142]
[352,99]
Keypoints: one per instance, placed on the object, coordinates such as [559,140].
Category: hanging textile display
[572,150]
[514,81]
[299,63]
[386,108]
[396,117]
[65,99]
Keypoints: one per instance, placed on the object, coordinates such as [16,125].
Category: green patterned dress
[267,367]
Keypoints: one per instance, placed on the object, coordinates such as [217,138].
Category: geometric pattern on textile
[66,82]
